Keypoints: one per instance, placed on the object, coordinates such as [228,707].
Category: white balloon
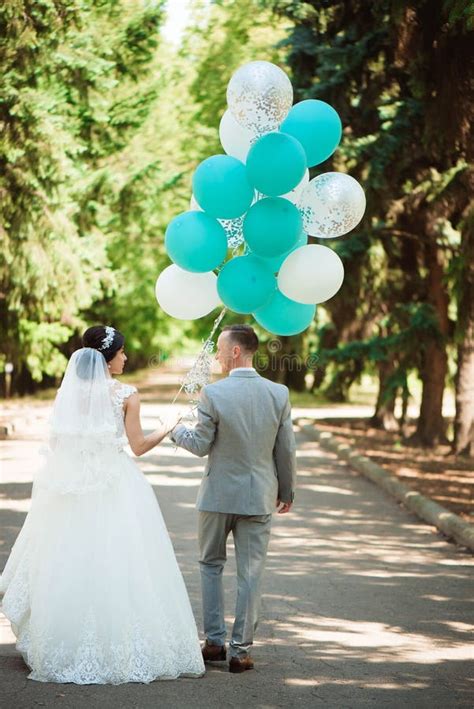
[235,139]
[311,274]
[259,96]
[194,205]
[296,192]
[331,205]
[185,295]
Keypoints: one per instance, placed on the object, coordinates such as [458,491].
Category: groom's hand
[285,507]
[172,420]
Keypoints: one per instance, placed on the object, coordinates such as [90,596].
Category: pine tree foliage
[69,104]
[394,71]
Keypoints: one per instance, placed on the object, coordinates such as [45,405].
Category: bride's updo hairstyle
[103,338]
[106,339]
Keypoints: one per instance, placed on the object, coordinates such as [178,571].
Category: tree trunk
[338,388]
[454,201]
[327,341]
[293,362]
[286,363]
[431,429]
[403,421]
[384,415]
[464,419]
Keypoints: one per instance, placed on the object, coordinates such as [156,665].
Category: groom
[244,425]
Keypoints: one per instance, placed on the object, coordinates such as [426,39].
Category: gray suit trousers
[251,535]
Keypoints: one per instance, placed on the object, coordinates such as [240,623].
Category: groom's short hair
[243,335]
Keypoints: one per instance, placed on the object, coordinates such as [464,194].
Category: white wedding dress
[92,587]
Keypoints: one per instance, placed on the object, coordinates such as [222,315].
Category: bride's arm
[139,443]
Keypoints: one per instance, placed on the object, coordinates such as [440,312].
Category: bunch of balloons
[259,197]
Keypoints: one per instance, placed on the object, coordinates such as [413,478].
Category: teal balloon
[276,163]
[274,262]
[318,128]
[245,284]
[272,226]
[282,316]
[196,242]
[221,187]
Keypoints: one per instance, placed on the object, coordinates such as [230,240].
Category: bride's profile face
[117,363]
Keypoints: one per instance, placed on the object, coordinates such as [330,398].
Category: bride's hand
[172,420]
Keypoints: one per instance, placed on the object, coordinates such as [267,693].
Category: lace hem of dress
[95,662]
[90,659]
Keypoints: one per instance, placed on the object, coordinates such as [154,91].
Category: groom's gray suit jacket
[244,426]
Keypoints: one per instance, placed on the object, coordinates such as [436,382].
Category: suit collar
[244,373]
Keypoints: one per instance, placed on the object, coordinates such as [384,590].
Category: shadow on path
[363,605]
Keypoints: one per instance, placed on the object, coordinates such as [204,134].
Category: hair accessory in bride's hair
[108,339]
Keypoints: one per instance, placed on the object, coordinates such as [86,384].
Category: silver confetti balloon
[259,95]
[234,228]
[331,205]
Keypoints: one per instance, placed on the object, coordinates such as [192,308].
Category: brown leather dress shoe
[240,665]
[213,653]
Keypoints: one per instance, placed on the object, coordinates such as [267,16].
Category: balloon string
[207,343]
[204,351]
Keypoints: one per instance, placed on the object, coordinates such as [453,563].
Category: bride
[92,588]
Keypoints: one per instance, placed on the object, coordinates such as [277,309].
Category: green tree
[71,99]
[393,70]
